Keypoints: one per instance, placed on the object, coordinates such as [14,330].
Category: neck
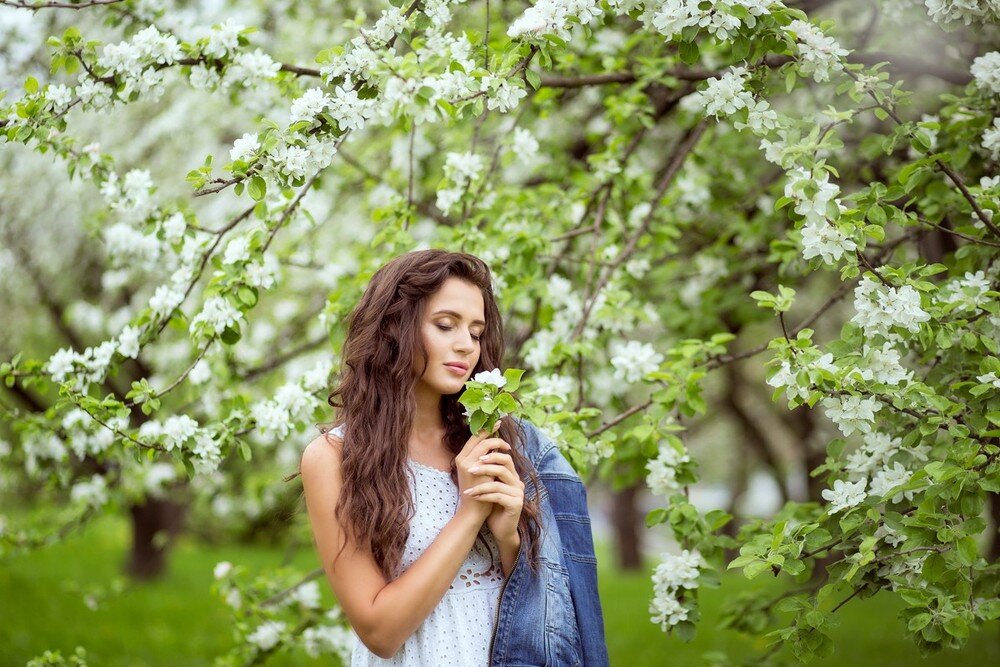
[427,423]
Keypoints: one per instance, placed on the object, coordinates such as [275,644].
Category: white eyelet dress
[459,630]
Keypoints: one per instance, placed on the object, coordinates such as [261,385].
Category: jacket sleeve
[568,497]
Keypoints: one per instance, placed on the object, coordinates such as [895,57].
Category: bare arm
[383,614]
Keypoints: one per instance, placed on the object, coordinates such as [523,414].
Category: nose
[464,343]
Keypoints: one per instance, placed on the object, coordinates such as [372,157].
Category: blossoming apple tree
[668,191]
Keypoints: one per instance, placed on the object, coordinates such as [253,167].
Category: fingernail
[483,457]
[473,468]
[467,491]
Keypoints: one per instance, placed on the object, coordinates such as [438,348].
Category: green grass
[176,621]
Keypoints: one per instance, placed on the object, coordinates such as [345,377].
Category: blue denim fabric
[553,617]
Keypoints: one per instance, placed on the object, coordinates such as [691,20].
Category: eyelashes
[443,328]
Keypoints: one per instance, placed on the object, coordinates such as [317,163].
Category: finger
[511,504]
[487,487]
[488,445]
[502,473]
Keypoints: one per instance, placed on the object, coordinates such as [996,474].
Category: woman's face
[453,323]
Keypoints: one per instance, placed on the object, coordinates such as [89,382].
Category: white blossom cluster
[786,376]
[991,139]
[845,495]
[501,93]
[878,308]
[40,446]
[813,192]
[267,635]
[182,432]
[552,17]
[879,365]
[86,368]
[969,291]
[985,70]
[947,12]
[675,572]
[492,377]
[819,54]
[329,639]
[852,413]
[725,94]
[633,360]
[555,384]
[460,169]
[292,401]
[92,492]
[216,315]
[670,17]
[86,436]
[134,63]
[874,458]
[662,477]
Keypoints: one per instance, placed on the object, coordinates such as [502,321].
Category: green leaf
[257,188]
[656,516]
[245,451]
[31,85]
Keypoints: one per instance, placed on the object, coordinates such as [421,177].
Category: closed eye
[443,328]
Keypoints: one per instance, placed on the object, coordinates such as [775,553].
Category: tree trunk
[148,557]
[625,517]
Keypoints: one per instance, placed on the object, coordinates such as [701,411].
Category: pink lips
[458,370]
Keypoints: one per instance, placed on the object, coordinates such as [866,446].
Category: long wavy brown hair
[377,403]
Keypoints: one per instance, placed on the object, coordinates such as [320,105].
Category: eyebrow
[457,316]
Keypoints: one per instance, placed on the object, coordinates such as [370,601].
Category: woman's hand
[476,446]
[503,487]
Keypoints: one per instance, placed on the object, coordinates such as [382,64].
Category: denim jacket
[552,617]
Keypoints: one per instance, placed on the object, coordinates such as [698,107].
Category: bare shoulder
[322,454]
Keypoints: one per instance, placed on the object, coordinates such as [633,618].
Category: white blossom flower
[177,429]
[128,342]
[223,38]
[61,364]
[991,139]
[819,54]
[845,494]
[92,492]
[218,314]
[328,639]
[555,385]
[249,69]
[244,147]
[222,569]
[888,478]
[492,377]
[501,94]
[725,95]
[891,537]
[267,635]
[989,378]
[200,373]
[59,96]
[307,107]
[203,77]
[673,573]
[165,299]
[852,413]
[879,307]
[237,250]
[307,595]
[634,360]
[662,477]
[986,71]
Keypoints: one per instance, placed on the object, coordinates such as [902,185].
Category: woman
[420,527]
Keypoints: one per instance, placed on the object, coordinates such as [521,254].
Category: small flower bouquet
[487,397]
